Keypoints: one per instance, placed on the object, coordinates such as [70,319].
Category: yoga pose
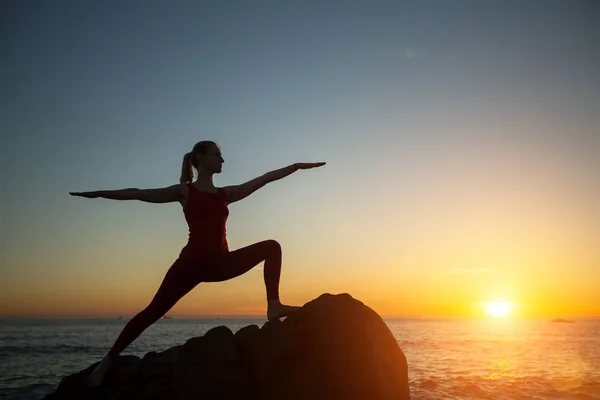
[206,257]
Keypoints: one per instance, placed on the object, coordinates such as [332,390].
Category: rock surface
[334,348]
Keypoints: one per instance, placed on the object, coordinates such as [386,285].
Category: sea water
[447,359]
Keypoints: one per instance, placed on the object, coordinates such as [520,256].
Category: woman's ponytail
[187,169]
[187,173]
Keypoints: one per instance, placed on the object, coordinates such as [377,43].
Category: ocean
[447,359]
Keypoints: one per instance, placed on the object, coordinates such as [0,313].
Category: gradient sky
[461,141]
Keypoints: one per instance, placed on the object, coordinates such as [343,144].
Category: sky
[461,141]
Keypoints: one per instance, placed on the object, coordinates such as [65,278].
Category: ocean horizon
[448,358]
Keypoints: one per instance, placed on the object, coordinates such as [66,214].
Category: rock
[334,348]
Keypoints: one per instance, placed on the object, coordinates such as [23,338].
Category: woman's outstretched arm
[238,192]
[174,193]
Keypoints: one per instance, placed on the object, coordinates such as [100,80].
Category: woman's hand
[308,165]
[89,195]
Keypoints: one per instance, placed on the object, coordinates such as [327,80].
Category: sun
[499,308]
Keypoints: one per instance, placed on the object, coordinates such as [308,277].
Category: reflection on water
[502,369]
[501,358]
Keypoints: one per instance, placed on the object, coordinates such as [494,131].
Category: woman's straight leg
[178,281]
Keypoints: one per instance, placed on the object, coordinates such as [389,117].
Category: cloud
[409,54]
[470,270]
[413,54]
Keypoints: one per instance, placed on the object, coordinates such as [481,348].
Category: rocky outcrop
[334,348]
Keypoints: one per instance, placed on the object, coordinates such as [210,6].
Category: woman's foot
[276,310]
[96,377]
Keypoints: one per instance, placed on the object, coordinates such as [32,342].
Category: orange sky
[461,147]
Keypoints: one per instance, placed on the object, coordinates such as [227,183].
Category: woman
[206,256]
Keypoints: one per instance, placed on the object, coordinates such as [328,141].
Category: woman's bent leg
[238,262]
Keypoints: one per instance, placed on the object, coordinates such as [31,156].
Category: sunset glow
[499,308]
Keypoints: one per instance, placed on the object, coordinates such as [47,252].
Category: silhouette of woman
[206,257]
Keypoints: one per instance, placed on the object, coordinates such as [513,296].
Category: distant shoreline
[259,317]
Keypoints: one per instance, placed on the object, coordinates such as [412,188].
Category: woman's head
[205,156]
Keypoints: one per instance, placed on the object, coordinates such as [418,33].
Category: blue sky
[428,114]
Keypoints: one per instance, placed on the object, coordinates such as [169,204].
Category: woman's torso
[206,215]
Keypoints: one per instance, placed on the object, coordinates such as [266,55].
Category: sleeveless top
[206,215]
